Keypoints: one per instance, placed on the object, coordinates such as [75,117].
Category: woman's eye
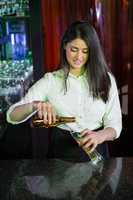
[85,51]
[73,49]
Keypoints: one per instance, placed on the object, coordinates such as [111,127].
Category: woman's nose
[79,55]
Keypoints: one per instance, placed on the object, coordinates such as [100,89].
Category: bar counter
[56,179]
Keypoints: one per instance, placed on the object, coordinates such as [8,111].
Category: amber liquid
[59,120]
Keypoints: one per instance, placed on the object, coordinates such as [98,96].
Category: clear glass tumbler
[94,156]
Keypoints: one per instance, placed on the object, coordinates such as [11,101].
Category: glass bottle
[59,120]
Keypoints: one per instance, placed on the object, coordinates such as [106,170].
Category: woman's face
[77,53]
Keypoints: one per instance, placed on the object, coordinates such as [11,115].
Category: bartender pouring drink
[82,88]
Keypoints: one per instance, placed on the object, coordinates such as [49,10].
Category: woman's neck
[77,72]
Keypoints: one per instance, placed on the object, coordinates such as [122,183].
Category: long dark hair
[96,66]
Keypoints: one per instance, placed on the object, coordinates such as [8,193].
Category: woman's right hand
[45,111]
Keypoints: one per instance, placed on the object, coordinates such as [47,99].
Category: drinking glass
[94,156]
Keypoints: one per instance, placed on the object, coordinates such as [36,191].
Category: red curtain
[112,19]
[57,15]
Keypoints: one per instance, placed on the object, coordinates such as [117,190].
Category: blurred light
[12,39]
[98,9]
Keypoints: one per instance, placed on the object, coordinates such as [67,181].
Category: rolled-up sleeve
[113,116]
[38,92]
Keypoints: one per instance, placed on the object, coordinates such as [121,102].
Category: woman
[82,87]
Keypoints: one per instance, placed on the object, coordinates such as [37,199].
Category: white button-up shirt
[76,102]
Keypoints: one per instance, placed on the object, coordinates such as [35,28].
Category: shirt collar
[78,77]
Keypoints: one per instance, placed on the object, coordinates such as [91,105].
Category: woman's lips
[78,62]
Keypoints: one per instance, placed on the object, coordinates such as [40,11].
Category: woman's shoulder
[58,73]
[112,77]
[113,80]
[55,74]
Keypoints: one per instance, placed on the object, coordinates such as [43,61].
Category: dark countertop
[63,180]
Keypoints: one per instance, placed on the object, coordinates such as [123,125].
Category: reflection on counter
[63,180]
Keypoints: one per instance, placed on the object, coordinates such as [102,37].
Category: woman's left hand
[90,139]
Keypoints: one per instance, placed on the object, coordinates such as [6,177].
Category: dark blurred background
[45,23]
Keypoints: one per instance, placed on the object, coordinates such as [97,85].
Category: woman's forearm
[107,134]
[21,112]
